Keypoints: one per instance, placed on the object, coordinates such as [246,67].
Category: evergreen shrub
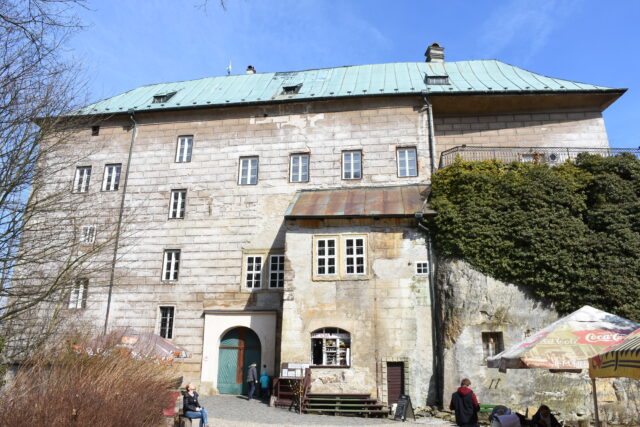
[569,233]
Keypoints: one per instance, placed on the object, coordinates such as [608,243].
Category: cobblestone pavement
[236,411]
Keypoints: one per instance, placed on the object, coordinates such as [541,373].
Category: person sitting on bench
[191,406]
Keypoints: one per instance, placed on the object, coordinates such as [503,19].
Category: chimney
[251,70]
[435,53]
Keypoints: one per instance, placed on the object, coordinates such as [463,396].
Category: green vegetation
[569,233]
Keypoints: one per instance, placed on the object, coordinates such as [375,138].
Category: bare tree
[42,246]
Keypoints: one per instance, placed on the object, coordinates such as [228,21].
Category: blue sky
[131,43]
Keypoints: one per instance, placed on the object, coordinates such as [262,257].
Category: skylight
[161,98]
[437,80]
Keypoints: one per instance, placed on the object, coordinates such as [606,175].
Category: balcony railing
[549,155]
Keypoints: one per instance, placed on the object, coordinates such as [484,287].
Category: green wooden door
[239,348]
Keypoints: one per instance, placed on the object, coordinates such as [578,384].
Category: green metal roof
[402,78]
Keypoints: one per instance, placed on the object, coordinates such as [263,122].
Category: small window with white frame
[78,295]
[82,179]
[422,268]
[352,164]
[88,234]
[326,257]
[184,149]
[165,326]
[276,271]
[111,177]
[171,264]
[253,271]
[299,168]
[177,204]
[354,256]
[407,162]
[248,171]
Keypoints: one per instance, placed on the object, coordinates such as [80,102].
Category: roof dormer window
[161,98]
[437,80]
[291,90]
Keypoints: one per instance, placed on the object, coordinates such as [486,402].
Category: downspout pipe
[134,133]
[436,326]
[431,132]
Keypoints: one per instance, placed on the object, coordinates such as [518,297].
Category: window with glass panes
[354,256]
[111,177]
[276,271]
[351,164]
[248,173]
[422,268]
[171,264]
[78,295]
[253,271]
[165,329]
[407,162]
[81,180]
[299,168]
[330,347]
[88,234]
[177,204]
[183,151]
[326,257]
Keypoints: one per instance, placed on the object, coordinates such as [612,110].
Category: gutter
[431,132]
[134,132]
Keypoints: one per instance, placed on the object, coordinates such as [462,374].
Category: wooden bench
[486,408]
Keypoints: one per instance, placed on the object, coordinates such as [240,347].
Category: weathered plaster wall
[475,303]
[388,315]
[542,129]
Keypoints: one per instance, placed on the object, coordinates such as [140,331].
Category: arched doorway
[239,347]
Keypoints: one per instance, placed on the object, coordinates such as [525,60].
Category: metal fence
[549,155]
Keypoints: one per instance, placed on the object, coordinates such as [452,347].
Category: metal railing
[549,155]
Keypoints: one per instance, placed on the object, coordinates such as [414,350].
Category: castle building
[272,217]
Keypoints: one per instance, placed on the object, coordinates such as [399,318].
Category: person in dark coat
[465,404]
[544,418]
[252,379]
[191,407]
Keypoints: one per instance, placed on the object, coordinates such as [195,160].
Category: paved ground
[227,410]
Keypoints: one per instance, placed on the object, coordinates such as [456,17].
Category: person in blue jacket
[264,383]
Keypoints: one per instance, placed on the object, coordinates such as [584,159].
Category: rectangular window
[111,177]
[248,174]
[185,146]
[422,268]
[88,234]
[354,256]
[492,343]
[299,168]
[171,264]
[177,204]
[253,271]
[351,164]
[326,257]
[78,296]
[95,130]
[407,162]
[276,271]
[165,329]
[82,178]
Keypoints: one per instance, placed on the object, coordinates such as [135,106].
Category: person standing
[465,404]
[264,383]
[191,407]
[252,379]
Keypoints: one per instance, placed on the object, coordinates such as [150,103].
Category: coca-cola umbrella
[567,344]
[138,344]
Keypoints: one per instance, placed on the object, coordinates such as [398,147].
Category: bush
[570,233]
[61,387]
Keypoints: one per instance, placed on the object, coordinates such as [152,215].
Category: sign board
[293,370]
[403,408]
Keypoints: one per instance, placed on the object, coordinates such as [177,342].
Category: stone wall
[388,313]
[474,303]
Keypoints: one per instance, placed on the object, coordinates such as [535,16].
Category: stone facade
[388,313]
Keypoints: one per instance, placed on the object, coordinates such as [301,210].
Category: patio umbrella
[138,344]
[567,344]
[622,360]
